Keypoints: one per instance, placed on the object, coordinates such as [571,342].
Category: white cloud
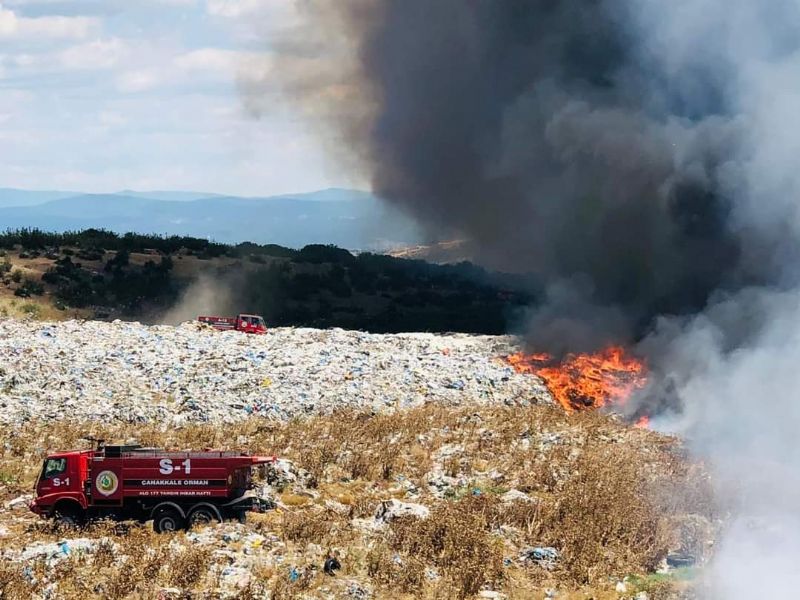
[138,80]
[93,6]
[236,8]
[99,54]
[217,60]
[36,2]
[14,26]
[208,59]
[90,56]
[133,87]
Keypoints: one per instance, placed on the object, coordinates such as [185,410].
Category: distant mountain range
[347,218]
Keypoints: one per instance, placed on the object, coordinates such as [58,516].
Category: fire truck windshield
[53,467]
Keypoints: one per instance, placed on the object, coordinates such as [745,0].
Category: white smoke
[736,366]
[742,415]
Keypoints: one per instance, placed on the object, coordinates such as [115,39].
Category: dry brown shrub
[104,555]
[359,464]
[386,567]
[255,590]
[363,506]
[295,500]
[418,460]
[324,527]
[522,514]
[13,583]
[283,588]
[456,538]
[189,566]
[603,520]
[544,471]
[124,580]
[687,489]
[452,466]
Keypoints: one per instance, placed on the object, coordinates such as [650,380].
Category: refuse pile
[191,373]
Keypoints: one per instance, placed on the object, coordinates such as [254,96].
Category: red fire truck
[243,323]
[174,489]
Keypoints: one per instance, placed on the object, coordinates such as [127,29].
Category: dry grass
[610,499]
[189,566]
[146,565]
[603,518]
[38,307]
[320,526]
[457,540]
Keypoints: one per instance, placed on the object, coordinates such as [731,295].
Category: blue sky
[103,95]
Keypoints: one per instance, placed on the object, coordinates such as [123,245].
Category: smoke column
[597,144]
[640,157]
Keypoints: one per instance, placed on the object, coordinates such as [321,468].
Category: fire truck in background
[174,489]
[243,323]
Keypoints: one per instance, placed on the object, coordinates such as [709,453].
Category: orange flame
[586,381]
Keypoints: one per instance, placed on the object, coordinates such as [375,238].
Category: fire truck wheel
[202,515]
[67,516]
[66,519]
[167,520]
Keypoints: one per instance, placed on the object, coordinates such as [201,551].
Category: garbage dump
[495,485]
[129,372]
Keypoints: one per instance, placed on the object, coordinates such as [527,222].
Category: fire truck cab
[60,484]
[174,489]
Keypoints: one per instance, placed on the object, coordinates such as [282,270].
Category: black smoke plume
[549,134]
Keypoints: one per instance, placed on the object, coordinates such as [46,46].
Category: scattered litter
[52,553]
[547,440]
[237,577]
[175,375]
[331,565]
[20,502]
[441,485]
[392,509]
[356,591]
[677,560]
[515,496]
[543,556]
[449,451]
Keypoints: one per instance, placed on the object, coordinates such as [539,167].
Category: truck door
[59,474]
[244,324]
